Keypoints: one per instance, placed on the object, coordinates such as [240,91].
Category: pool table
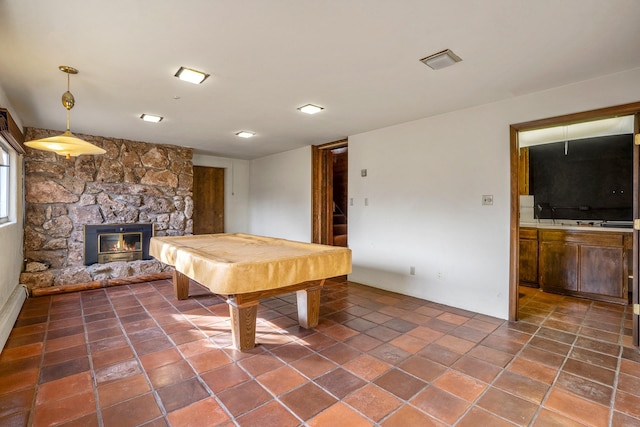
[246,268]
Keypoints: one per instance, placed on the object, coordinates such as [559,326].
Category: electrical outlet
[487,199]
[440,275]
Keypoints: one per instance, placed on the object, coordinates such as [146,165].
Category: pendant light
[66,144]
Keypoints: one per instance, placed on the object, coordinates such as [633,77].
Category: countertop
[595,228]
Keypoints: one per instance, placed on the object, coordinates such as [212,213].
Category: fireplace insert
[116,242]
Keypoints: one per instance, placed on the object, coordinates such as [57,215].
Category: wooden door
[208,200]
[340,159]
[323,191]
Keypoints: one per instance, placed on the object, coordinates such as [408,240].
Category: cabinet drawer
[595,239]
[529,233]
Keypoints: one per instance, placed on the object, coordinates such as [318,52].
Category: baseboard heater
[9,312]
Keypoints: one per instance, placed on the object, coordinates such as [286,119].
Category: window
[5,185]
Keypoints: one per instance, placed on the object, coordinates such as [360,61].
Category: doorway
[208,200]
[330,193]
[516,185]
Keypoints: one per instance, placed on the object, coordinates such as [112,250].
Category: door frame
[635,282]
[322,191]
[585,116]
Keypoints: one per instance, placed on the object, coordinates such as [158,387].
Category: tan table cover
[238,263]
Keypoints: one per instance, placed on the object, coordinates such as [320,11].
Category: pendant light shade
[66,144]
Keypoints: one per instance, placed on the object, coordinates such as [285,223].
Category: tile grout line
[32,411]
[576,344]
[474,403]
[311,380]
[341,400]
[197,374]
[94,379]
[406,402]
[560,368]
[137,357]
[616,378]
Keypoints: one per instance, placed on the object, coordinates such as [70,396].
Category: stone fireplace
[134,183]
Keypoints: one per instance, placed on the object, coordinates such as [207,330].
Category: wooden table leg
[309,306]
[180,285]
[243,323]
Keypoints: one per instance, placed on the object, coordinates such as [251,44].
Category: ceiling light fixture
[310,109]
[66,144]
[190,75]
[245,134]
[151,118]
[441,59]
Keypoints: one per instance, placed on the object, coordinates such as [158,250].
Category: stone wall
[134,182]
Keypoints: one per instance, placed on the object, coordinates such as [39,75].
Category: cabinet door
[601,270]
[558,266]
[528,261]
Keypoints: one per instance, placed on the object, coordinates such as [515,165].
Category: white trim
[8,185]
[9,312]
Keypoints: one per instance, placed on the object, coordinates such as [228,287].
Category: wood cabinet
[529,257]
[558,265]
[583,263]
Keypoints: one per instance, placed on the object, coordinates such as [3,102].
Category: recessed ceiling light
[310,109]
[190,75]
[151,118]
[441,59]
[245,134]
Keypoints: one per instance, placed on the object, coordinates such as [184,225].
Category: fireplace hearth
[116,242]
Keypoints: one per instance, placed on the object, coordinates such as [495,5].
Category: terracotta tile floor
[134,355]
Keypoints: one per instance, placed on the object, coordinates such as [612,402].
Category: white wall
[11,294]
[236,190]
[281,195]
[424,188]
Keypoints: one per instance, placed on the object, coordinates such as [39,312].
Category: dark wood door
[208,200]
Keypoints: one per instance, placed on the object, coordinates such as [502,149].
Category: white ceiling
[357,58]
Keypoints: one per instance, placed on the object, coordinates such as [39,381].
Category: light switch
[363,172]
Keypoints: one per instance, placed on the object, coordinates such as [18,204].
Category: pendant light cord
[67,105]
